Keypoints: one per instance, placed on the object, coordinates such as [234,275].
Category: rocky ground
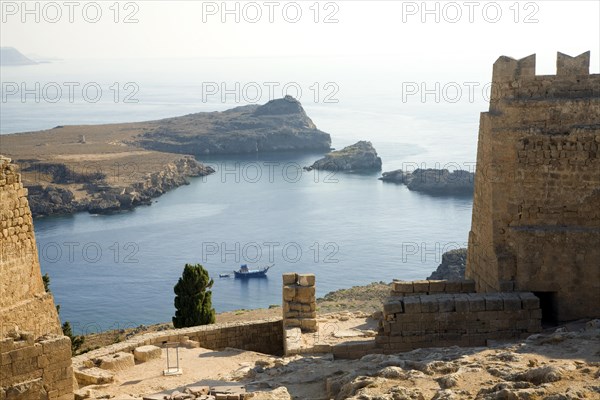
[113,167]
[358,157]
[433,181]
[561,363]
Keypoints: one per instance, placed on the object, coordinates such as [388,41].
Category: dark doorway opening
[548,306]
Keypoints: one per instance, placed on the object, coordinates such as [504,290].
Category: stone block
[421,286]
[412,304]
[309,325]
[393,307]
[493,302]
[437,286]
[429,304]
[305,294]
[461,303]
[291,322]
[511,303]
[306,279]
[467,286]
[289,278]
[93,376]
[117,362]
[446,304]
[146,353]
[476,303]
[289,293]
[453,286]
[403,287]
[529,301]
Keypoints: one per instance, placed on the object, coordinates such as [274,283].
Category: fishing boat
[245,272]
[224,275]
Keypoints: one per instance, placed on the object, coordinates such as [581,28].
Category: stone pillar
[299,302]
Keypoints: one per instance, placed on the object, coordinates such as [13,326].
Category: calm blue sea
[119,270]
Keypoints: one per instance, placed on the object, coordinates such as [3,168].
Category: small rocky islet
[433,181]
[359,157]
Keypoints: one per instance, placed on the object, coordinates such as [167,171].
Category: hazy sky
[465,31]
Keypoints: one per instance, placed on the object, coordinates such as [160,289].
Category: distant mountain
[12,56]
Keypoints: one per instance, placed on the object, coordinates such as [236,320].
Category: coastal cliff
[97,196]
[113,167]
[358,157]
[279,125]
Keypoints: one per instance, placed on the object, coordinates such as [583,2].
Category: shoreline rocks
[452,267]
[358,157]
[50,199]
[433,181]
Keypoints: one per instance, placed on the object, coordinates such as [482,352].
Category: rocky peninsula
[358,157]
[114,167]
[279,125]
[433,181]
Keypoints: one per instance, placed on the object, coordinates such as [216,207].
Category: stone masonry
[439,313]
[299,302]
[35,358]
[536,210]
[461,319]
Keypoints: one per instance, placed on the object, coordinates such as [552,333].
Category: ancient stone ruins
[35,358]
[536,211]
[534,255]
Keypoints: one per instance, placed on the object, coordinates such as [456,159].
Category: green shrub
[193,299]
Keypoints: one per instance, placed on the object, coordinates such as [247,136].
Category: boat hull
[252,273]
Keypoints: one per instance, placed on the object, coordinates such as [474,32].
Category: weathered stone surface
[448,319]
[35,359]
[117,362]
[145,353]
[93,376]
[306,279]
[536,225]
[299,309]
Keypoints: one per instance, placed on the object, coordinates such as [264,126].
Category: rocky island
[9,56]
[358,157]
[113,167]
[433,181]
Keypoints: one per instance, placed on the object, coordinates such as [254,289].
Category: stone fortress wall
[536,210]
[35,358]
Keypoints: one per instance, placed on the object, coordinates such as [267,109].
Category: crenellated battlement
[507,69]
[516,80]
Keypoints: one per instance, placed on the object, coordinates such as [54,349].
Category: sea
[118,271]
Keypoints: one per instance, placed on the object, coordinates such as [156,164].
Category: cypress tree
[193,299]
